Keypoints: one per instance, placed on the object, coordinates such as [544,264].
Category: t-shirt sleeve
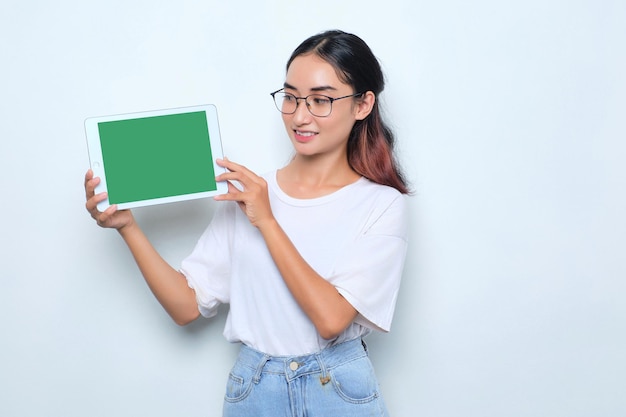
[368,275]
[207,268]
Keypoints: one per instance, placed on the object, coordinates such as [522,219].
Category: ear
[364,105]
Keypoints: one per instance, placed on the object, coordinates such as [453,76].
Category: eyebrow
[316,89]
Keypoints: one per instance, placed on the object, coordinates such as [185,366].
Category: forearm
[168,285]
[319,299]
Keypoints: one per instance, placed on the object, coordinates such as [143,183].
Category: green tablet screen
[155,157]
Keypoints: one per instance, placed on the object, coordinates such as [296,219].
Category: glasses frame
[308,106]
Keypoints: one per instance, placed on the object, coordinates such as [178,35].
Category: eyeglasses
[318,105]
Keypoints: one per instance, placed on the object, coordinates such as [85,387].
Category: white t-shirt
[355,238]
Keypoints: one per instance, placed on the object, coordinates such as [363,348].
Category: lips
[304,136]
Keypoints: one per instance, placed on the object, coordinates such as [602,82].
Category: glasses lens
[285,102]
[319,105]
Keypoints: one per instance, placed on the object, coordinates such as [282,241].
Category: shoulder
[385,206]
[379,195]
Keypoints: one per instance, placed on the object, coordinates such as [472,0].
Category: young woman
[309,257]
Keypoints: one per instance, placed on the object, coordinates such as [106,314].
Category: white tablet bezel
[98,166]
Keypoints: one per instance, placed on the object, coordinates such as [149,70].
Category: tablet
[156,157]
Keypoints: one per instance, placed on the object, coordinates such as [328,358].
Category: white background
[511,124]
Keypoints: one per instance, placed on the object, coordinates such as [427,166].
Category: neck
[309,177]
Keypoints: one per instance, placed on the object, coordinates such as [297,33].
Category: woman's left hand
[253,198]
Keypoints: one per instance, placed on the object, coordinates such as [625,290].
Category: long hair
[371,142]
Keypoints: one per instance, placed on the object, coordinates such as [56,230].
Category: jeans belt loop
[257,376]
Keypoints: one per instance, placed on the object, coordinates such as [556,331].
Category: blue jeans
[338,381]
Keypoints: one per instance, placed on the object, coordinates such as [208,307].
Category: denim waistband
[295,366]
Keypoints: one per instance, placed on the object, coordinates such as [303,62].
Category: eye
[288,98]
[320,100]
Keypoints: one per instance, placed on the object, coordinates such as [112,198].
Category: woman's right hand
[168,285]
[109,218]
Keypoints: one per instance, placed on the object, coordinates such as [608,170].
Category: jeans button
[294,366]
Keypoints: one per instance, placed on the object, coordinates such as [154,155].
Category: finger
[106,215]
[92,203]
[240,174]
[233,194]
[90,187]
[231,176]
[233,189]
[88,175]
[237,180]
[110,211]
[232,166]
[88,178]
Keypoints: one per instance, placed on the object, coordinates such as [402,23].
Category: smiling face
[312,135]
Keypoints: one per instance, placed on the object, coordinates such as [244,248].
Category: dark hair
[371,142]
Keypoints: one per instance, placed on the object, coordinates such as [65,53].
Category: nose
[302,114]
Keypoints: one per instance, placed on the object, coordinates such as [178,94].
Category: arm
[168,285]
[319,299]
